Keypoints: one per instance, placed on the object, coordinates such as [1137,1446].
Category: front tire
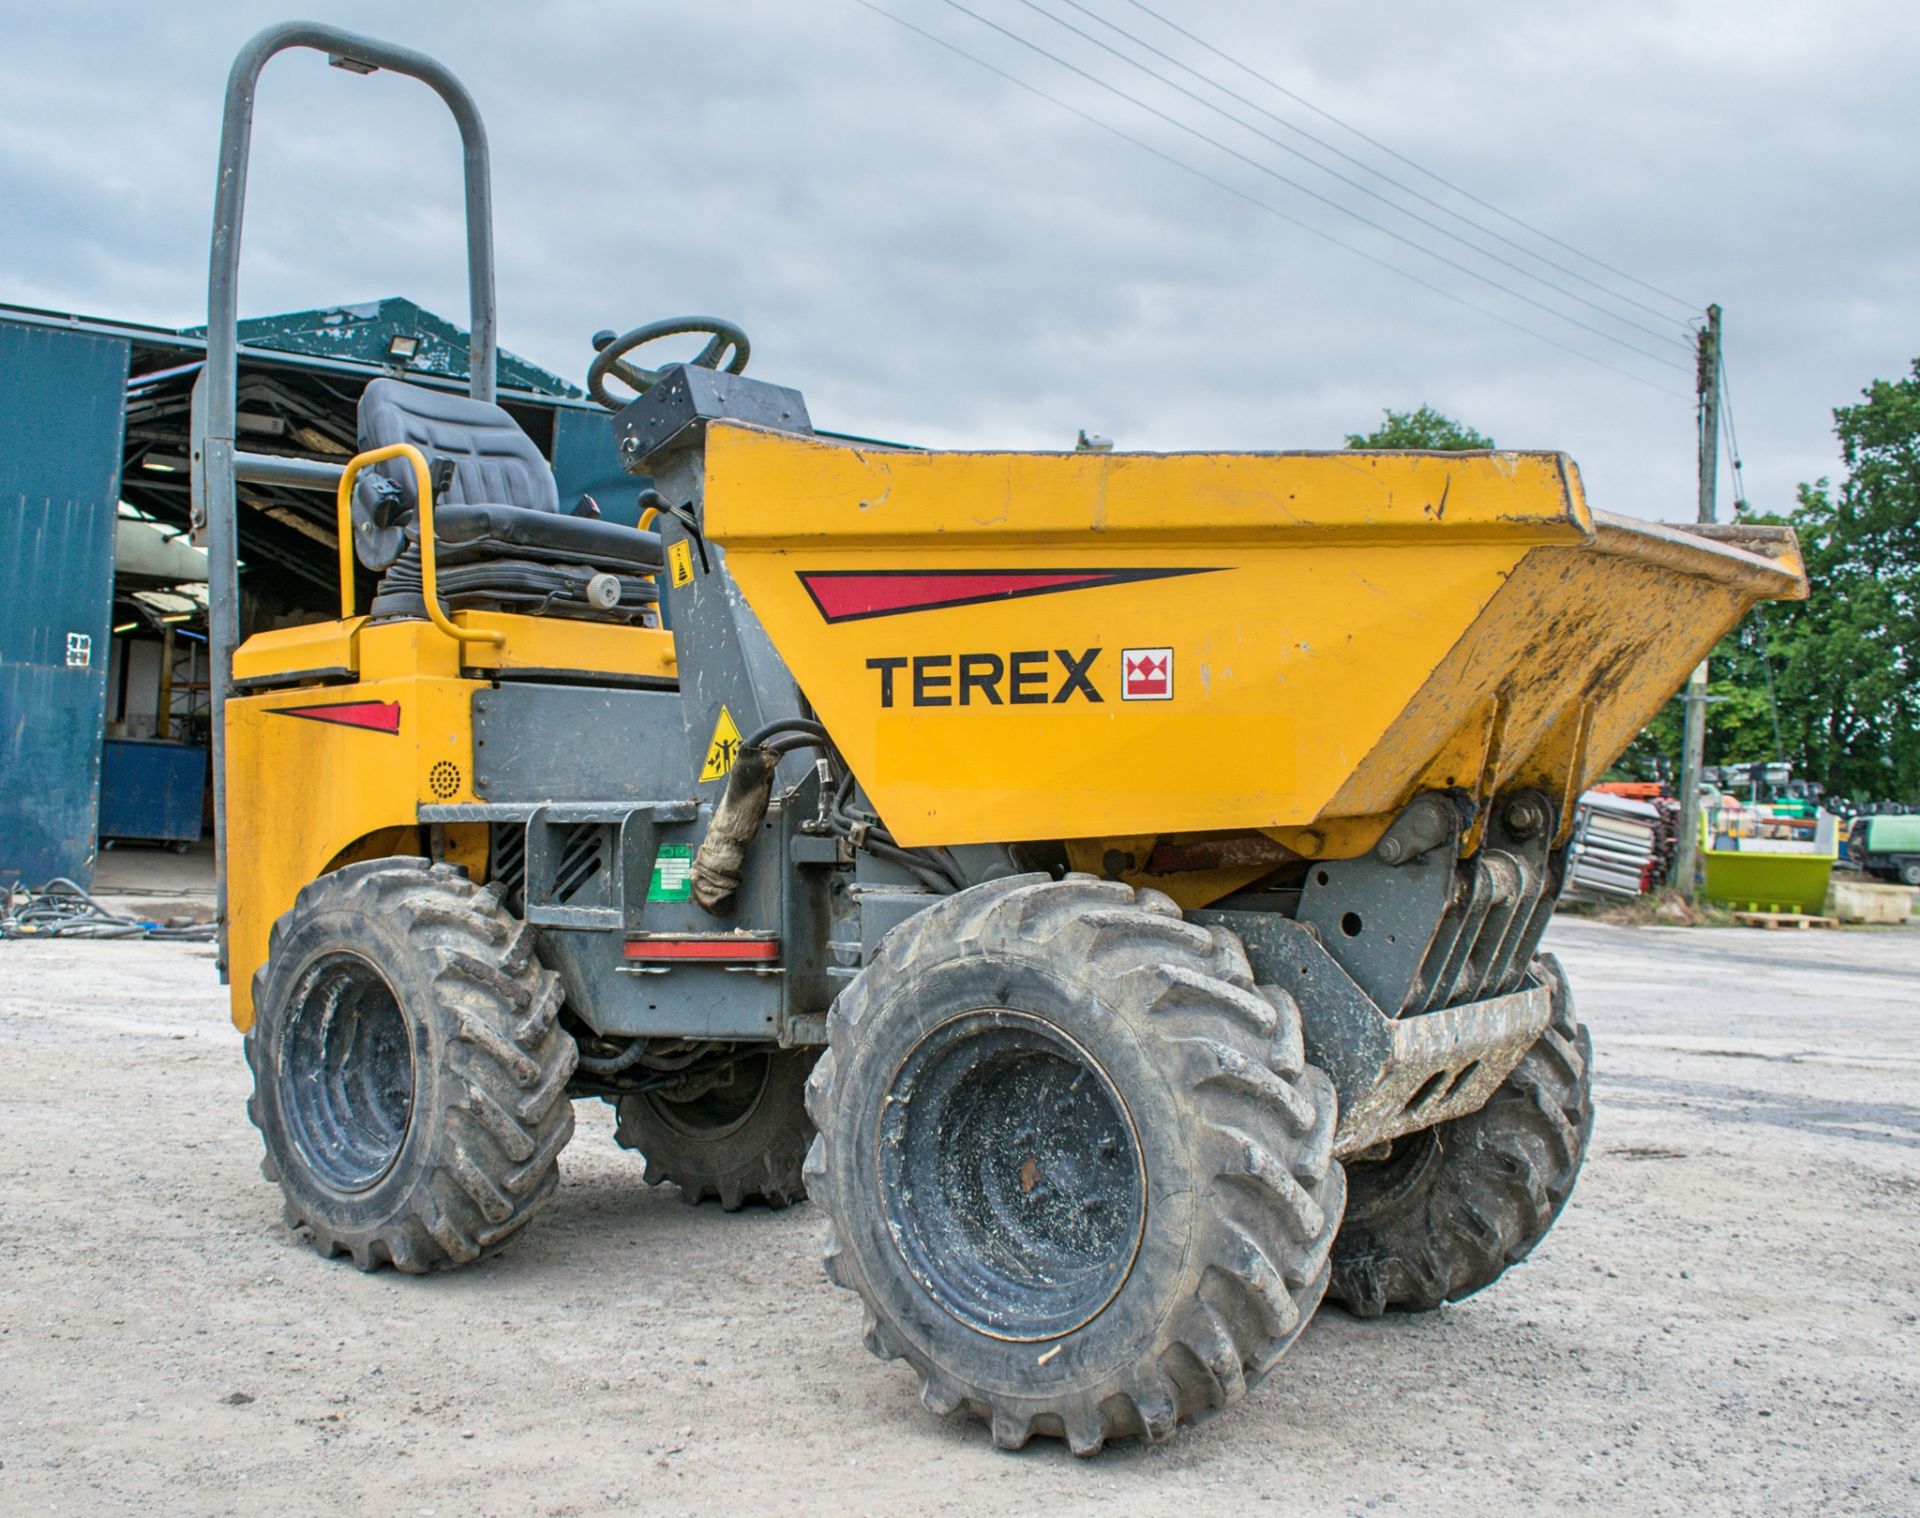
[741,1139]
[1452,1208]
[410,1078]
[1076,1165]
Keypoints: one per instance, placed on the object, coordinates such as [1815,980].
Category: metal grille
[582,858]
[507,863]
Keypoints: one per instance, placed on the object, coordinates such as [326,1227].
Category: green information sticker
[672,873]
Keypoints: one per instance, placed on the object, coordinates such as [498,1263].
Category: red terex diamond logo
[1146,674]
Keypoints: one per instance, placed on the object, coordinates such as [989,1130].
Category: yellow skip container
[1109,646]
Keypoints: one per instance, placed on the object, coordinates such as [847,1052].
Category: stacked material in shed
[1621,847]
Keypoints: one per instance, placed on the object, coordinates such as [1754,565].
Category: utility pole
[1693,750]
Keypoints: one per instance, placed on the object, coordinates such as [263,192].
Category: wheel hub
[1010,1175]
[346,1073]
[715,1103]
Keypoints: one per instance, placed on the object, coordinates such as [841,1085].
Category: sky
[934,253]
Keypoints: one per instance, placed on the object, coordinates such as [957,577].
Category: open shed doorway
[110,675]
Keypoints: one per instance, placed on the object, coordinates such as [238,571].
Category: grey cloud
[933,254]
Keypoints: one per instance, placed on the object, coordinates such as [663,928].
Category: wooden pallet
[1784,920]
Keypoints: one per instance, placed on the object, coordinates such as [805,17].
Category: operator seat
[501,541]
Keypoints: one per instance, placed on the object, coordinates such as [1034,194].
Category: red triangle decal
[847,595]
[373,716]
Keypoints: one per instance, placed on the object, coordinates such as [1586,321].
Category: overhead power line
[1399,184]
[1266,206]
[1763,635]
[1466,194]
[1294,184]
[1734,464]
[1335,173]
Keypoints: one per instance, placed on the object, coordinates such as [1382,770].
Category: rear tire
[1075,1163]
[1910,872]
[1453,1207]
[742,1141]
[410,1079]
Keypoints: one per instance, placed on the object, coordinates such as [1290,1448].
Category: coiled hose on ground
[60,909]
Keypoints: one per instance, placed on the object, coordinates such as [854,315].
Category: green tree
[1425,428]
[1845,662]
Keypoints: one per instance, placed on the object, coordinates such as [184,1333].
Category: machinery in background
[1886,846]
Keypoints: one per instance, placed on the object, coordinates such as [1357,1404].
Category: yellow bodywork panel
[317,651]
[321,775]
[1191,644]
[331,650]
[540,644]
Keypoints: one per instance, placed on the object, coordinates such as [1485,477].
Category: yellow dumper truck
[1109,886]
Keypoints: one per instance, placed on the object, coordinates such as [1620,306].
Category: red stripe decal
[374,716]
[704,948]
[847,595]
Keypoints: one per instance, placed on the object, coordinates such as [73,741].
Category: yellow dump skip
[1014,646]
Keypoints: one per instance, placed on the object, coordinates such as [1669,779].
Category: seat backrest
[495,463]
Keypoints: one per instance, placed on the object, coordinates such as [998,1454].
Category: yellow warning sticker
[724,747]
[680,565]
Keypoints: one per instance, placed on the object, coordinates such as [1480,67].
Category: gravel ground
[1723,1322]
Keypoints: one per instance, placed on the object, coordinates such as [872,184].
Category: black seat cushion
[462,534]
[530,587]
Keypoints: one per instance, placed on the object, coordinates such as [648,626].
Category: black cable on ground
[61,909]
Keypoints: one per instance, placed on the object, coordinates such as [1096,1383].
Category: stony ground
[1723,1323]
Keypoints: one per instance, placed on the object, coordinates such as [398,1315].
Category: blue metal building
[94,413]
[62,400]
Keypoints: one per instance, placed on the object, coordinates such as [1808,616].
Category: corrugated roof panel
[365,333]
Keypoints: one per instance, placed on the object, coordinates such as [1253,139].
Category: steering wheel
[611,350]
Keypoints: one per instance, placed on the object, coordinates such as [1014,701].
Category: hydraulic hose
[722,855]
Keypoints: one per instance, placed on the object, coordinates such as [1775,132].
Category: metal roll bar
[217,465]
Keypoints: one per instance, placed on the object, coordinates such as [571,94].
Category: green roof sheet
[362,334]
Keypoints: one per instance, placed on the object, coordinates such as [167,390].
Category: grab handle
[429,570]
